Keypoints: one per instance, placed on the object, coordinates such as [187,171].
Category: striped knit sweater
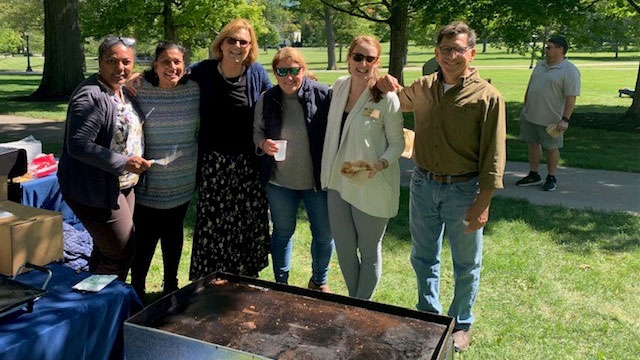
[172,119]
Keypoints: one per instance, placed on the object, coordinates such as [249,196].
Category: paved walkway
[577,188]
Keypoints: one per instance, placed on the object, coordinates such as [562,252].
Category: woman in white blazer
[364,130]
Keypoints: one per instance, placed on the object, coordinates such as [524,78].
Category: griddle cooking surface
[281,325]
[14,293]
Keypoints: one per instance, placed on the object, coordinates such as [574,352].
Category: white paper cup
[281,155]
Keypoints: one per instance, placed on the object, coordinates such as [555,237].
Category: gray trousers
[358,242]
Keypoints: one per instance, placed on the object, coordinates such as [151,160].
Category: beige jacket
[372,131]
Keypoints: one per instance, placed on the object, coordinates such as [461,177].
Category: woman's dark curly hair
[150,75]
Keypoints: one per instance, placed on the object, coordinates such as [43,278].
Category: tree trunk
[634,109]
[63,60]
[398,47]
[331,42]
[168,23]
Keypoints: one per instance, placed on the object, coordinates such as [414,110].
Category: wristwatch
[565,119]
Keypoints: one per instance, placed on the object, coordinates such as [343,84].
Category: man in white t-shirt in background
[550,99]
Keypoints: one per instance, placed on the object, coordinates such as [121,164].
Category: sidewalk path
[577,188]
[14,128]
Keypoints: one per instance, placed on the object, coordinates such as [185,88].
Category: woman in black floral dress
[232,229]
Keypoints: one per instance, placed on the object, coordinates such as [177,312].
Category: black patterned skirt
[232,226]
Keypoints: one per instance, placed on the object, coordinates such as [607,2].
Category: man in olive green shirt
[460,154]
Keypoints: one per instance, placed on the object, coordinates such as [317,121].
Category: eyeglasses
[359,57]
[445,50]
[242,43]
[284,71]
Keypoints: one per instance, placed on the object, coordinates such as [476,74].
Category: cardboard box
[28,234]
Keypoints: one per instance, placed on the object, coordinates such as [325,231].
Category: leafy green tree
[194,23]
[279,21]
[394,13]
[607,25]
[10,41]
[317,27]
[330,28]
[21,16]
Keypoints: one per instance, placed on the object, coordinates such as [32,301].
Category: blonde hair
[294,55]
[230,29]
[288,53]
[375,93]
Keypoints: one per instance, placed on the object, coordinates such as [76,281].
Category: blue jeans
[432,207]
[284,203]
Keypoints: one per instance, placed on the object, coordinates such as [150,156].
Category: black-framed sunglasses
[359,57]
[242,43]
[284,71]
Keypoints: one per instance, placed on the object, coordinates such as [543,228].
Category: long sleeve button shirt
[460,131]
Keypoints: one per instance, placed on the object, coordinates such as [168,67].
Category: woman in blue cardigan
[232,229]
[295,111]
[102,158]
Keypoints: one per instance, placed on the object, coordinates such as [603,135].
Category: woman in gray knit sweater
[171,105]
[295,111]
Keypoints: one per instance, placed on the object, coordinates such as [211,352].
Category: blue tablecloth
[66,324]
[44,193]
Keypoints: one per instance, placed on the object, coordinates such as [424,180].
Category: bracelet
[385,163]
[565,119]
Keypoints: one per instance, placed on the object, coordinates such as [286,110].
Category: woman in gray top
[102,158]
[171,105]
[295,111]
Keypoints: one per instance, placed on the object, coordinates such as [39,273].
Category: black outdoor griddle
[15,296]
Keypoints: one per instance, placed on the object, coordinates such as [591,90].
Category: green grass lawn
[556,283]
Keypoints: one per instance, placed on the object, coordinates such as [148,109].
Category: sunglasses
[240,42]
[112,40]
[359,57]
[284,71]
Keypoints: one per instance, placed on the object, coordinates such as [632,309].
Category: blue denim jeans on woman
[433,207]
[283,203]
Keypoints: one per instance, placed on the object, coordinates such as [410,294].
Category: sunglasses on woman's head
[284,71]
[233,41]
[359,57]
[112,40]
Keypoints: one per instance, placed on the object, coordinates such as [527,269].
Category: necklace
[227,79]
